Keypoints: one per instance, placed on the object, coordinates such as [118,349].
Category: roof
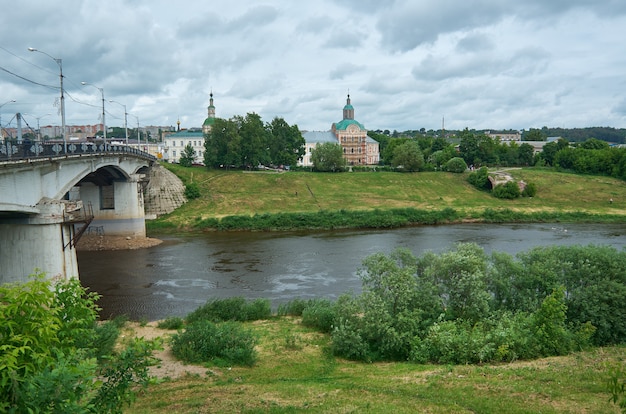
[187,134]
[319,136]
[209,121]
[345,123]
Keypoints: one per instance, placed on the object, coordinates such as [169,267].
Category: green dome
[209,121]
[344,124]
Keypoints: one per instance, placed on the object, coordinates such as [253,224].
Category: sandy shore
[90,242]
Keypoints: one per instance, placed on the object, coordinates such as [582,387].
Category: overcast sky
[407,64]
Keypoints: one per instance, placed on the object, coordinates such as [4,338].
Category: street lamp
[138,132]
[60,63]
[7,102]
[104,123]
[125,119]
[39,129]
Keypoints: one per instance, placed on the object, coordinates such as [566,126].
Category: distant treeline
[582,134]
[608,134]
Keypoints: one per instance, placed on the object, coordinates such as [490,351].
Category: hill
[241,193]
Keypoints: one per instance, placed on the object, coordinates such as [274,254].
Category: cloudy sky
[407,64]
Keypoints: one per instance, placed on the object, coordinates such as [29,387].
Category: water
[182,273]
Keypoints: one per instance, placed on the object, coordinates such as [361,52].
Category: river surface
[183,272]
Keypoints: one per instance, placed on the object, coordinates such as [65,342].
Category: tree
[456,165]
[525,154]
[534,135]
[286,144]
[328,156]
[254,140]
[222,145]
[408,156]
[188,156]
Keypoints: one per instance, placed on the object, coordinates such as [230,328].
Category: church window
[174,153]
[182,144]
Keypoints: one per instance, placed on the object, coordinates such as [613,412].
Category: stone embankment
[164,193]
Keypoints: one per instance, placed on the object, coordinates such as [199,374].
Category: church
[358,148]
[176,142]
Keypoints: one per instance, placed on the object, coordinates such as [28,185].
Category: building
[358,148]
[505,136]
[175,143]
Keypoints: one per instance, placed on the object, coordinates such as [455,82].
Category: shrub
[172,322]
[319,314]
[480,178]
[293,307]
[231,309]
[56,359]
[530,190]
[508,190]
[456,165]
[205,341]
[192,191]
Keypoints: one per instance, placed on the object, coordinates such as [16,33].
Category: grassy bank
[294,373]
[296,200]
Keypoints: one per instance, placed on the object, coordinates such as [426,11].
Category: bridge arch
[44,200]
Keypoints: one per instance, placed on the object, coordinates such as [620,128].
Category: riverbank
[91,242]
[232,200]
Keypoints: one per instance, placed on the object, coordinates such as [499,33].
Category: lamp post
[125,119]
[104,123]
[60,63]
[138,132]
[38,129]
[7,102]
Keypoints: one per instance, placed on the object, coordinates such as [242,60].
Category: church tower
[208,123]
[348,110]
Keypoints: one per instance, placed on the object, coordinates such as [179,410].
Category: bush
[231,309]
[192,191]
[205,341]
[530,190]
[173,323]
[55,358]
[508,190]
[319,314]
[480,179]
[456,165]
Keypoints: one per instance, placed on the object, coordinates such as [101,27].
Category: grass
[295,373]
[233,193]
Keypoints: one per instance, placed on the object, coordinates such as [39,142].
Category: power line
[29,80]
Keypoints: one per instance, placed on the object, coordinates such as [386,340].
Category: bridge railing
[15,151]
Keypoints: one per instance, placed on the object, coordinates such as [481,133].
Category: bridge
[52,193]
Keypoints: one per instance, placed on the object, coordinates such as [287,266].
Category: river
[183,272]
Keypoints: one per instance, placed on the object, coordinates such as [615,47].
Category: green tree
[188,156]
[286,144]
[254,140]
[222,145]
[408,156]
[328,156]
[526,153]
[456,165]
[534,135]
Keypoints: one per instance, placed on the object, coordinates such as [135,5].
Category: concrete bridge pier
[43,241]
[118,208]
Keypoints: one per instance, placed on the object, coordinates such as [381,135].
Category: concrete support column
[42,242]
[122,212]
